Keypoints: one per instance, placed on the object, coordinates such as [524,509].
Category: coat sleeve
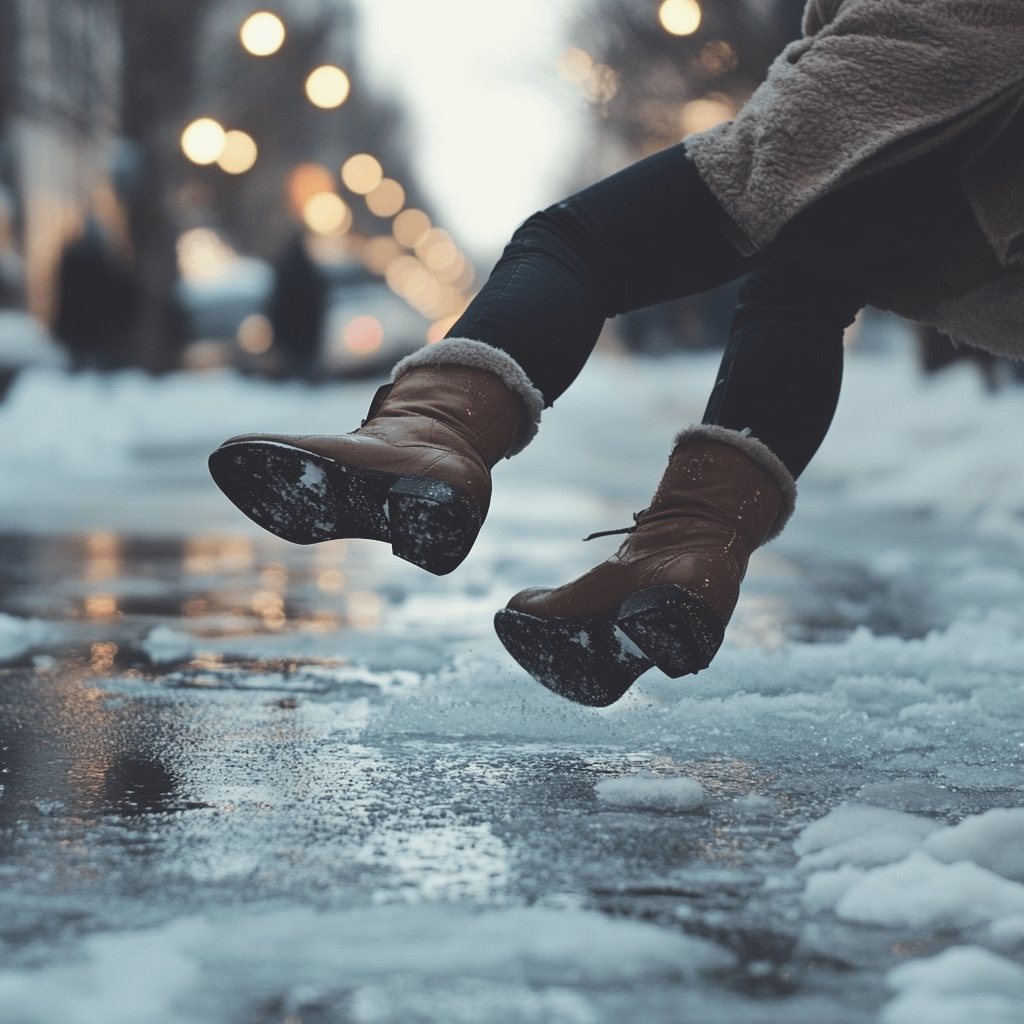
[881,82]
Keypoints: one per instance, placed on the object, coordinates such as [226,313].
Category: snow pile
[963,984]
[651,792]
[195,969]
[860,835]
[19,635]
[897,869]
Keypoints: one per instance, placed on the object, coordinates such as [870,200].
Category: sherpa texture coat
[871,85]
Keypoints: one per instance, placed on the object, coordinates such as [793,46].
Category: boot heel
[679,631]
[433,524]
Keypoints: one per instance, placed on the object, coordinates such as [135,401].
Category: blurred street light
[410,226]
[362,173]
[306,181]
[699,115]
[680,17]
[262,34]
[203,141]
[239,153]
[326,213]
[386,199]
[327,87]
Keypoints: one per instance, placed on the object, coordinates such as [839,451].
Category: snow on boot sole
[589,661]
[679,631]
[306,498]
[585,660]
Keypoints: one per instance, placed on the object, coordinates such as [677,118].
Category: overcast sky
[496,130]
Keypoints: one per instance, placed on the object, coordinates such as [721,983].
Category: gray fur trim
[479,356]
[757,452]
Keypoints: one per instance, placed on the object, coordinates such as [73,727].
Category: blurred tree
[160,43]
[265,97]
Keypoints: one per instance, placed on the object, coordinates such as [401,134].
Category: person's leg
[649,233]
[783,365]
[417,472]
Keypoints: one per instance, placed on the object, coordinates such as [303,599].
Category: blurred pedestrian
[97,298]
[881,161]
[296,309]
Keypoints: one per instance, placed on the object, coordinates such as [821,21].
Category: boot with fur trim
[416,473]
[665,597]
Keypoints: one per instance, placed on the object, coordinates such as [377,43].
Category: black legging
[655,232]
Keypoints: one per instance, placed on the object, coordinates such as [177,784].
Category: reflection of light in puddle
[205,556]
[101,606]
[364,609]
[448,862]
[103,552]
[331,581]
[101,657]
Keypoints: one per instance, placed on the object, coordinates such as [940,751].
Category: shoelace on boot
[657,517]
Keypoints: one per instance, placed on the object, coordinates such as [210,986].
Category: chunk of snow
[921,892]
[651,791]
[962,984]
[861,835]
[18,635]
[994,840]
[164,645]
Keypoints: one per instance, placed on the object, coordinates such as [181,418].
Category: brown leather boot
[665,597]
[416,473]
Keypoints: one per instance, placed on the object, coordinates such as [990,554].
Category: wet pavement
[216,726]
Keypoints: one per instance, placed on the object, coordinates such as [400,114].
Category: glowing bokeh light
[306,181]
[327,87]
[575,65]
[386,199]
[239,153]
[699,115]
[680,17]
[262,34]
[717,57]
[363,335]
[410,226]
[203,255]
[326,213]
[362,173]
[255,335]
[440,328]
[203,141]
[601,84]
[379,253]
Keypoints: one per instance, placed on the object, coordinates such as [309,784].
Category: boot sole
[306,499]
[594,660]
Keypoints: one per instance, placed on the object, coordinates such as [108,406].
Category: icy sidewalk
[247,781]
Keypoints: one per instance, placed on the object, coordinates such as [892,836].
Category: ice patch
[648,791]
[19,635]
[962,985]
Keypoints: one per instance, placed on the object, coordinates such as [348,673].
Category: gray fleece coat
[872,84]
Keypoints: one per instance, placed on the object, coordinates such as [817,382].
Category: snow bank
[648,791]
[963,984]
[19,635]
[194,969]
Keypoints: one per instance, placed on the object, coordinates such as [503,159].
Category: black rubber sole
[596,659]
[306,499]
